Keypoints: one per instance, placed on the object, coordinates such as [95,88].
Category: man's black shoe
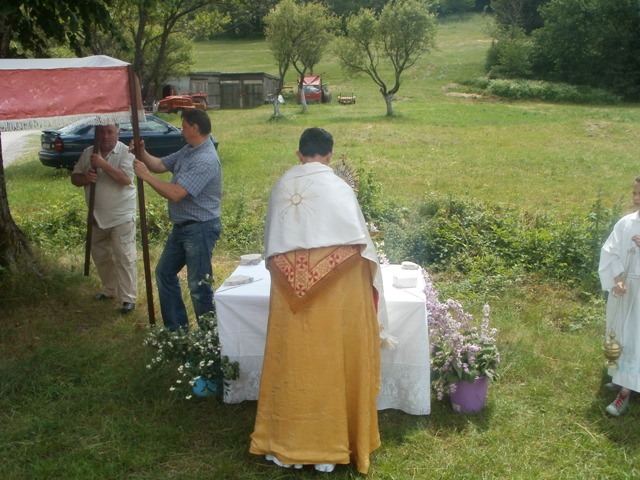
[127,308]
[102,296]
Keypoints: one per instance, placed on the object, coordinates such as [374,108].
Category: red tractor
[177,103]
[314,90]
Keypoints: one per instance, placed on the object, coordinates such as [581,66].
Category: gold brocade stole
[302,273]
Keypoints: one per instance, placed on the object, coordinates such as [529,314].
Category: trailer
[346,99]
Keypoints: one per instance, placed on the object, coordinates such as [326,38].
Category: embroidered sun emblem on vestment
[296,198]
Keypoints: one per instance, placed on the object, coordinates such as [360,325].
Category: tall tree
[153,32]
[170,13]
[13,243]
[590,42]
[246,16]
[29,27]
[396,38]
[344,8]
[518,14]
[298,36]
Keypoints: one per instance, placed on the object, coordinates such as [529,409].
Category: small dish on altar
[409,266]
[405,281]
[234,280]
[250,259]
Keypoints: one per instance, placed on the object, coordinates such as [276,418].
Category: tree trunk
[5,37]
[276,106]
[13,243]
[388,98]
[303,100]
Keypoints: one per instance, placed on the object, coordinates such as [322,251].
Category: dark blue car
[62,148]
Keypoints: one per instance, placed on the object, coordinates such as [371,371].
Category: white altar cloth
[243,312]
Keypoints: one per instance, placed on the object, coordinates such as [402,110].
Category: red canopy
[52,92]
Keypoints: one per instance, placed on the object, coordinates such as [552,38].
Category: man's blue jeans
[191,246]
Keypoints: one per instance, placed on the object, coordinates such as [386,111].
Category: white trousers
[115,255]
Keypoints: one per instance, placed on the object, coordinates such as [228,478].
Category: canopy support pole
[92,204]
[133,91]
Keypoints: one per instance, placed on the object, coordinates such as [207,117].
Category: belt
[185,223]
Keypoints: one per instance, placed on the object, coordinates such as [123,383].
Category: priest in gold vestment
[321,371]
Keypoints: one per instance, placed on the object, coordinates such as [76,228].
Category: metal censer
[612,350]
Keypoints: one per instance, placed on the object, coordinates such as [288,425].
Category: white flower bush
[195,352]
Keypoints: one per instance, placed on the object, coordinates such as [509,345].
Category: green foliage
[206,23]
[242,227]
[590,42]
[243,18]
[450,7]
[61,227]
[369,198]
[158,223]
[547,91]
[31,27]
[489,240]
[154,41]
[344,8]
[510,54]
[579,42]
[518,14]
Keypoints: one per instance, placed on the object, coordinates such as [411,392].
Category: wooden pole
[92,203]
[133,92]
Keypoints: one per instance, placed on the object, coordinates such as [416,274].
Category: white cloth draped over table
[243,312]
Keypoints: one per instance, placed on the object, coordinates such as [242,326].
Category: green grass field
[76,398]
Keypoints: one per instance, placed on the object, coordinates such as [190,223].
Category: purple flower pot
[470,397]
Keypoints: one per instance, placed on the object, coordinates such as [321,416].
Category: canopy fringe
[57,122]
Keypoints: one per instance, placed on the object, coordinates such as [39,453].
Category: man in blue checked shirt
[193,195]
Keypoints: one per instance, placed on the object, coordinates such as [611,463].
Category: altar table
[243,312]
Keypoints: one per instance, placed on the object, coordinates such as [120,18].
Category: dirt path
[16,144]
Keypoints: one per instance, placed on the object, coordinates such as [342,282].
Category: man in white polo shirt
[113,239]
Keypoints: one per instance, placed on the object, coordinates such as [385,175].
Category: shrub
[369,195]
[509,55]
[158,223]
[61,227]
[549,92]
[490,240]
[196,353]
[243,227]
[449,7]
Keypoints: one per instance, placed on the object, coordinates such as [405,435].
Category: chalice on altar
[612,350]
